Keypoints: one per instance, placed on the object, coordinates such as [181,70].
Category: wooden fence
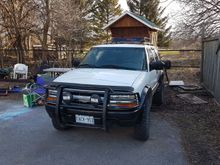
[210,69]
[9,57]
[182,58]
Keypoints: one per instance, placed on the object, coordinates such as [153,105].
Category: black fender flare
[161,78]
[146,93]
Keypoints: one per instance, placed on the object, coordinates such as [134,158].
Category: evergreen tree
[151,10]
[102,12]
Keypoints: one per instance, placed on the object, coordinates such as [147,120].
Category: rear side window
[155,54]
[151,56]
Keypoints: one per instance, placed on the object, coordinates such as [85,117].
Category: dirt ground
[199,124]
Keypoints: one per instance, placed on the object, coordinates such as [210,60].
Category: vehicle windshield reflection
[117,58]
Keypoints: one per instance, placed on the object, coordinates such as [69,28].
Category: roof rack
[134,40]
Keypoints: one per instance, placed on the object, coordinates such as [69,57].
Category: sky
[172,9]
[169,4]
[123,4]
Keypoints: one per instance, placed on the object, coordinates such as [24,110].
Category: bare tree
[64,19]
[70,26]
[16,21]
[200,18]
[43,21]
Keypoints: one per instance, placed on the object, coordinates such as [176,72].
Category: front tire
[142,128]
[58,125]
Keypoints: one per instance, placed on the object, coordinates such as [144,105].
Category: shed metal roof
[139,18]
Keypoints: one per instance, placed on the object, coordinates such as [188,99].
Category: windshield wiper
[87,66]
[116,67]
[104,66]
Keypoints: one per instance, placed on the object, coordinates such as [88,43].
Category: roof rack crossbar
[134,40]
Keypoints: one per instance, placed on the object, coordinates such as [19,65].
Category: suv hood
[109,77]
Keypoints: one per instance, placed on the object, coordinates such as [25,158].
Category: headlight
[52,95]
[66,96]
[123,101]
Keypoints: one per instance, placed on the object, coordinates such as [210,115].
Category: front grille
[81,99]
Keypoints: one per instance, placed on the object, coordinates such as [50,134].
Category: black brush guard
[90,111]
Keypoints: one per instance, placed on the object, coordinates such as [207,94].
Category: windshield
[117,57]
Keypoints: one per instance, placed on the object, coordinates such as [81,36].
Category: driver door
[153,74]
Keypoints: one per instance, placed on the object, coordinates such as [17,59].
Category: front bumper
[101,114]
[67,116]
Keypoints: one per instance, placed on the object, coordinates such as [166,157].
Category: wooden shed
[130,25]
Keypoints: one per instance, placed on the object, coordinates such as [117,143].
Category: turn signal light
[51,99]
[126,105]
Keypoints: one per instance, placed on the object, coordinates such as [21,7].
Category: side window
[155,54]
[150,55]
[145,61]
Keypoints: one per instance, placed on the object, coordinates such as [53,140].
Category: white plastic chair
[20,69]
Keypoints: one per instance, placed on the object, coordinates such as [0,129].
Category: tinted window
[117,57]
[150,55]
[155,55]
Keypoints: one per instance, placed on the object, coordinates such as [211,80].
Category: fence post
[202,60]
[2,56]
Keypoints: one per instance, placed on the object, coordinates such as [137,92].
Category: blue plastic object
[15,89]
[40,81]
[137,40]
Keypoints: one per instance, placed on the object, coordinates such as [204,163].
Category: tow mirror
[76,63]
[160,65]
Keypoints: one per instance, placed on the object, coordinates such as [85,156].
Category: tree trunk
[2,60]
[45,31]
[2,54]
[70,54]
[19,49]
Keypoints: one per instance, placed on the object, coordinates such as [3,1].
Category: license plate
[85,119]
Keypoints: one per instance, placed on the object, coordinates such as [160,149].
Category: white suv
[115,83]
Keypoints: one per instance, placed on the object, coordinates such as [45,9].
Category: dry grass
[188,75]
[180,59]
[199,124]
